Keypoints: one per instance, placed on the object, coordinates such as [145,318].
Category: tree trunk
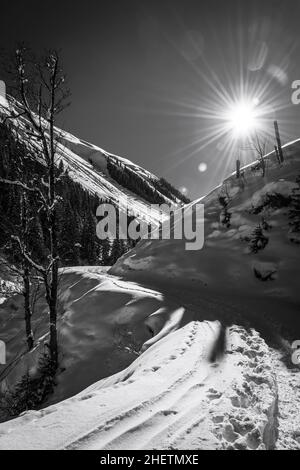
[278,139]
[238,169]
[27,308]
[53,316]
[53,239]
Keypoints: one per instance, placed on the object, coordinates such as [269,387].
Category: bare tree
[26,283]
[224,200]
[26,271]
[258,145]
[20,229]
[40,95]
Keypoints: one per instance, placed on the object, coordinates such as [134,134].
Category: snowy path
[165,400]
[158,410]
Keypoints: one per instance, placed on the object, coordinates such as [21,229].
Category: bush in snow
[273,201]
[125,341]
[225,217]
[8,289]
[265,271]
[294,213]
[258,240]
[31,392]
[265,224]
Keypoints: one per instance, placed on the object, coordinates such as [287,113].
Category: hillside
[249,261]
[92,167]
[88,176]
[168,303]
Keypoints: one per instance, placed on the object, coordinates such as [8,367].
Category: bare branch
[28,258]
[25,187]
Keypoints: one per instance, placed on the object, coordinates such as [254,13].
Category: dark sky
[140,71]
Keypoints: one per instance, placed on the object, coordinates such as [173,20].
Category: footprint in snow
[169,412]
[87,397]
[218,419]
[214,394]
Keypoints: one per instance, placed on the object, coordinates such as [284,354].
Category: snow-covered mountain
[90,166]
[168,303]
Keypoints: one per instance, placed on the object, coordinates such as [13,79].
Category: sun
[243,118]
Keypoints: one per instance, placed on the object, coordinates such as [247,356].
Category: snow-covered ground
[172,398]
[98,317]
[9,281]
[168,303]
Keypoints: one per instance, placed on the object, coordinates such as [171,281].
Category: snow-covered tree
[117,250]
[258,145]
[225,217]
[294,213]
[258,240]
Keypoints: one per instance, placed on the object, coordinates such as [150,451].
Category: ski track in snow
[180,416]
[123,428]
[172,398]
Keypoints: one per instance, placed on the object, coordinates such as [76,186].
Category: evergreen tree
[36,241]
[69,236]
[90,246]
[117,250]
[104,252]
[225,214]
[258,240]
[294,213]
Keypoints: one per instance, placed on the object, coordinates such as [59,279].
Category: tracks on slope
[119,431]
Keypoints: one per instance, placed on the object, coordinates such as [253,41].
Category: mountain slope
[88,165]
[251,263]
